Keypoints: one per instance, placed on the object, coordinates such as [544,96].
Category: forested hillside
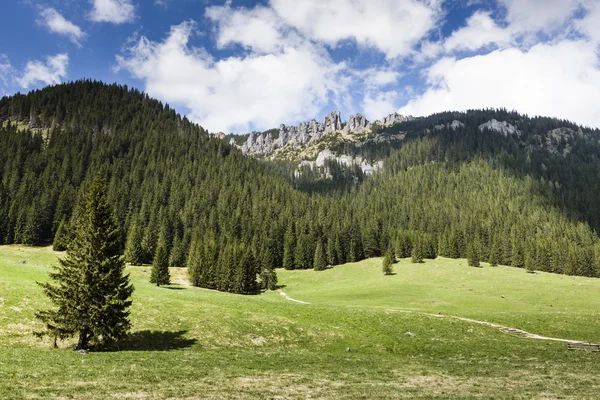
[528,200]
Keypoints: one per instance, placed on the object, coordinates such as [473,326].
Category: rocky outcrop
[502,127]
[296,137]
[367,167]
[393,118]
[357,124]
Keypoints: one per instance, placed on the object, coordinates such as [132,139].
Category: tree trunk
[82,343]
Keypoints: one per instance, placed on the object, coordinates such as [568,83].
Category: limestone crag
[502,127]
[357,124]
[296,137]
[393,118]
[368,168]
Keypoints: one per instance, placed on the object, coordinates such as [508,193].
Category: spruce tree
[61,237]
[160,265]
[134,253]
[331,252]
[320,263]
[473,255]
[388,262]
[417,251]
[268,279]
[90,291]
[289,248]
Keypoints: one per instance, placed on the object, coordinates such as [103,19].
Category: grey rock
[394,118]
[502,127]
[357,123]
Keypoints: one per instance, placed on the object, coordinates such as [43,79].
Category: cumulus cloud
[538,15]
[113,11]
[56,23]
[559,79]
[376,105]
[480,30]
[50,72]
[257,91]
[391,26]
[259,29]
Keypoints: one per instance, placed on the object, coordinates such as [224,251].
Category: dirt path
[515,331]
[505,329]
[285,296]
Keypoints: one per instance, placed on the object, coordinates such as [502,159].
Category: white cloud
[559,80]
[522,22]
[230,94]
[376,105]
[113,11]
[394,27]
[50,72]
[259,28]
[5,67]
[590,24]
[56,23]
[481,30]
[538,15]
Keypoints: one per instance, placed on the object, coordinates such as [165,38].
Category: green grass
[194,343]
[548,304]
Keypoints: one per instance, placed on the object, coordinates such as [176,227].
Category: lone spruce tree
[160,266]
[388,262]
[90,292]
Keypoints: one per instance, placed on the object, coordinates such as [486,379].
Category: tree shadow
[173,287]
[152,341]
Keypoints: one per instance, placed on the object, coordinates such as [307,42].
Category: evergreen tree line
[184,197]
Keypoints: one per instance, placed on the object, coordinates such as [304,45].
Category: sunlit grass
[194,343]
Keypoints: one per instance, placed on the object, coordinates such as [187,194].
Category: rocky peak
[393,118]
[295,137]
[333,122]
[357,124]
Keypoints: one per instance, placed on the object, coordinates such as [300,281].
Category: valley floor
[349,342]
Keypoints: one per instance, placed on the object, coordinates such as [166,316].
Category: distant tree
[90,292]
[331,251]
[134,253]
[268,279]
[177,256]
[289,249]
[245,274]
[160,266]
[61,237]
[518,256]
[495,253]
[417,251]
[388,262]
[473,254]
[320,263]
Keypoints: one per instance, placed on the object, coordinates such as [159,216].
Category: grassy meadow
[195,344]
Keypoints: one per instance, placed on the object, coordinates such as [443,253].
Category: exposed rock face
[258,143]
[456,125]
[333,122]
[393,119]
[501,127]
[296,137]
[367,167]
[358,124]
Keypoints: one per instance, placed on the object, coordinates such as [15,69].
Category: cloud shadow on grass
[152,341]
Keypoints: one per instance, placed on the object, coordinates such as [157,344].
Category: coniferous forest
[193,200]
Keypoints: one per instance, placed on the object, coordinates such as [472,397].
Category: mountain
[513,189]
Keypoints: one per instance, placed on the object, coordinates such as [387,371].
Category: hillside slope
[189,343]
[519,191]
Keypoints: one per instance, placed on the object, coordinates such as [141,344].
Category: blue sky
[237,66]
